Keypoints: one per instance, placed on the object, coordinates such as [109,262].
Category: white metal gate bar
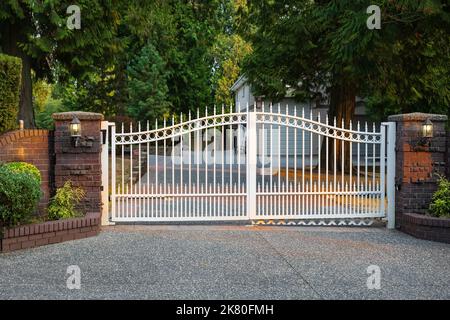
[192,186]
[318,194]
[264,164]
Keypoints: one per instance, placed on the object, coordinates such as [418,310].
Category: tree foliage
[87,68]
[309,46]
[196,41]
[147,78]
[10,73]
[37,33]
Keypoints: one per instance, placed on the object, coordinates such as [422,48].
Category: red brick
[15,246]
[41,242]
[35,237]
[55,239]
[72,231]
[68,237]
[7,242]
[28,244]
[61,233]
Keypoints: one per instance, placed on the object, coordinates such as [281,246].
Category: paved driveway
[231,262]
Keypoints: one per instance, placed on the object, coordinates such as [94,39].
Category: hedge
[10,80]
[19,193]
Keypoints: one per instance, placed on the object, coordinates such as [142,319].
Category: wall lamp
[427,129]
[425,135]
[75,134]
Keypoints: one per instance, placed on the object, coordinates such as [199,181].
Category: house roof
[239,83]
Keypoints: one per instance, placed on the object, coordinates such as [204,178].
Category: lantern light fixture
[427,129]
[75,127]
[75,130]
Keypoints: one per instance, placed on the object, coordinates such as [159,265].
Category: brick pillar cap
[417,116]
[81,115]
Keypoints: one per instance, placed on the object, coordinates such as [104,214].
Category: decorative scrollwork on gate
[181,128]
[320,128]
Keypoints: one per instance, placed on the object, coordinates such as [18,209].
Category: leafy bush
[10,77]
[19,193]
[24,167]
[440,203]
[64,202]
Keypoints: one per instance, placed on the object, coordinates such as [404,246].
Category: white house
[243,96]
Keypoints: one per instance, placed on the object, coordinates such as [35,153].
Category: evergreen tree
[37,32]
[147,85]
[308,46]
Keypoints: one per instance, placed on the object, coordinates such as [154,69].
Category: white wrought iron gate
[268,165]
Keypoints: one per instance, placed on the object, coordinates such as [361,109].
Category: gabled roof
[239,83]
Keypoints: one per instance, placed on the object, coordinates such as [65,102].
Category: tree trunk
[342,107]
[10,38]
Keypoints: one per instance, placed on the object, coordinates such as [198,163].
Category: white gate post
[383,169]
[105,171]
[390,180]
[251,164]
[113,169]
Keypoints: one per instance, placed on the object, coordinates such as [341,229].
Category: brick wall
[82,164]
[35,235]
[425,227]
[418,160]
[35,147]
[448,155]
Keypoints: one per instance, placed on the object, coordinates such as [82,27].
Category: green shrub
[64,202]
[10,78]
[24,167]
[44,118]
[440,203]
[19,194]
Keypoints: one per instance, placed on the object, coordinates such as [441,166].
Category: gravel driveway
[231,262]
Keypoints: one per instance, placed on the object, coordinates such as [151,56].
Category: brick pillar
[448,155]
[418,160]
[81,164]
